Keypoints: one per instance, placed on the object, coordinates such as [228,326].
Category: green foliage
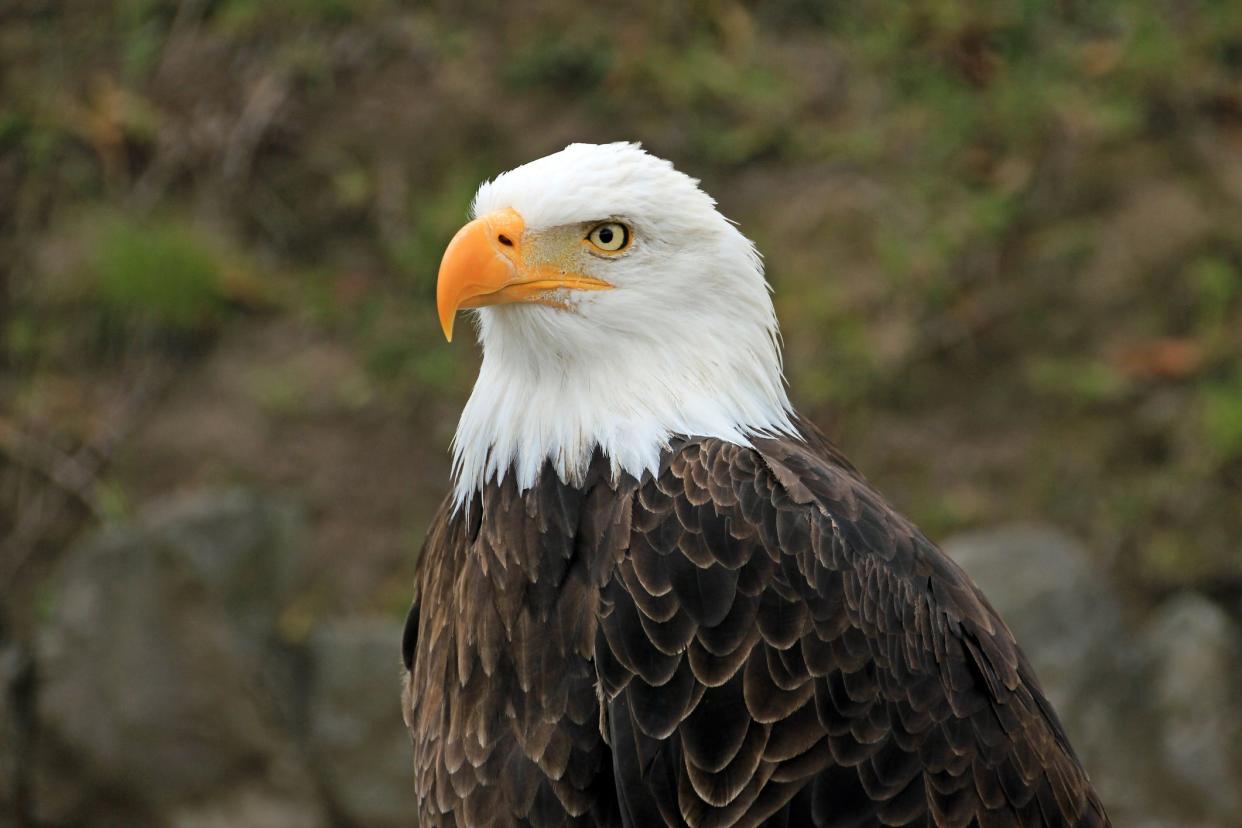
[158,273]
[1076,380]
[113,501]
[1013,206]
[554,61]
[1222,419]
[248,16]
[1218,284]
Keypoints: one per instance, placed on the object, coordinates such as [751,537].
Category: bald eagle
[655,594]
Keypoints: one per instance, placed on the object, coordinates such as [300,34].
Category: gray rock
[155,667]
[1195,651]
[357,736]
[1064,612]
[1069,620]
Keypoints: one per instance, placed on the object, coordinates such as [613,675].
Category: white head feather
[685,344]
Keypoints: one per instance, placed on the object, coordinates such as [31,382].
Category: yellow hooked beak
[484,265]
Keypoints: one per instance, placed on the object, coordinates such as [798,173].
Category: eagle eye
[609,237]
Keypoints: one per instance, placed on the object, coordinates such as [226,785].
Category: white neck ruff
[629,400]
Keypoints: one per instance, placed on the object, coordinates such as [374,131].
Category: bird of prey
[655,594]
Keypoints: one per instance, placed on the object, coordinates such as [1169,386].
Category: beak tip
[446,308]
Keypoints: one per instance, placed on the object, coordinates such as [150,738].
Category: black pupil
[605,235]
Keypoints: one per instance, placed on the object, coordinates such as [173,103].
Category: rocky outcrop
[160,689]
[1195,654]
[1150,708]
[357,739]
[159,672]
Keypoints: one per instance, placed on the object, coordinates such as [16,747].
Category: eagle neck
[628,402]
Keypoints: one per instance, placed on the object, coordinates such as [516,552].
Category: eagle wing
[778,644]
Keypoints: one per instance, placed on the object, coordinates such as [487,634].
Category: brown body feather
[752,637]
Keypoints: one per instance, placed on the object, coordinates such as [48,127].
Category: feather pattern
[748,636]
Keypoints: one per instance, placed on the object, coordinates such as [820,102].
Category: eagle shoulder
[777,642]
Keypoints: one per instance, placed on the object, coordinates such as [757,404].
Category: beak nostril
[505,240]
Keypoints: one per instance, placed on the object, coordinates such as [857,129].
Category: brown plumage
[751,637]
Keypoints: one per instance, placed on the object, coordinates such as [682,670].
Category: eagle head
[616,307]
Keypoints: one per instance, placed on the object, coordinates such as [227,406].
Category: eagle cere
[656,595]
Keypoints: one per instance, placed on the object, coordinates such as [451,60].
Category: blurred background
[1006,245]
